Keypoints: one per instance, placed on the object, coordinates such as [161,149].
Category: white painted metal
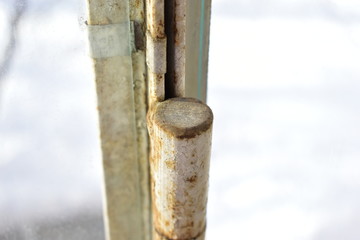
[155,50]
[179,45]
[137,17]
[119,74]
[175,24]
[180,135]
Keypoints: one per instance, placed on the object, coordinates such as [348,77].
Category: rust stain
[137,3]
[170,164]
[156,153]
[166,107]
[192,179]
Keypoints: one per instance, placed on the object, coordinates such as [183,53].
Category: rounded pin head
[183,117]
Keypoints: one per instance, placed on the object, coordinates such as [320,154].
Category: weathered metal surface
[155,50]
[155,18]
[175,23]
[179,45]
[155,87]
[156,54]
[187,27]
[137,16]
[122,121]
[180,134]
[109,40]
[140,93]
[107,12]
[158,236]
[119,147]
[137,10]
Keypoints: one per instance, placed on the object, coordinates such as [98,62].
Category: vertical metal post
[122,116]
[179,128]
[180,135]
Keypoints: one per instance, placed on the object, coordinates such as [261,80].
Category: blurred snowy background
[284,85]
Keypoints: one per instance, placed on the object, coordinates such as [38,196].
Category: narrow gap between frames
[170,28]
